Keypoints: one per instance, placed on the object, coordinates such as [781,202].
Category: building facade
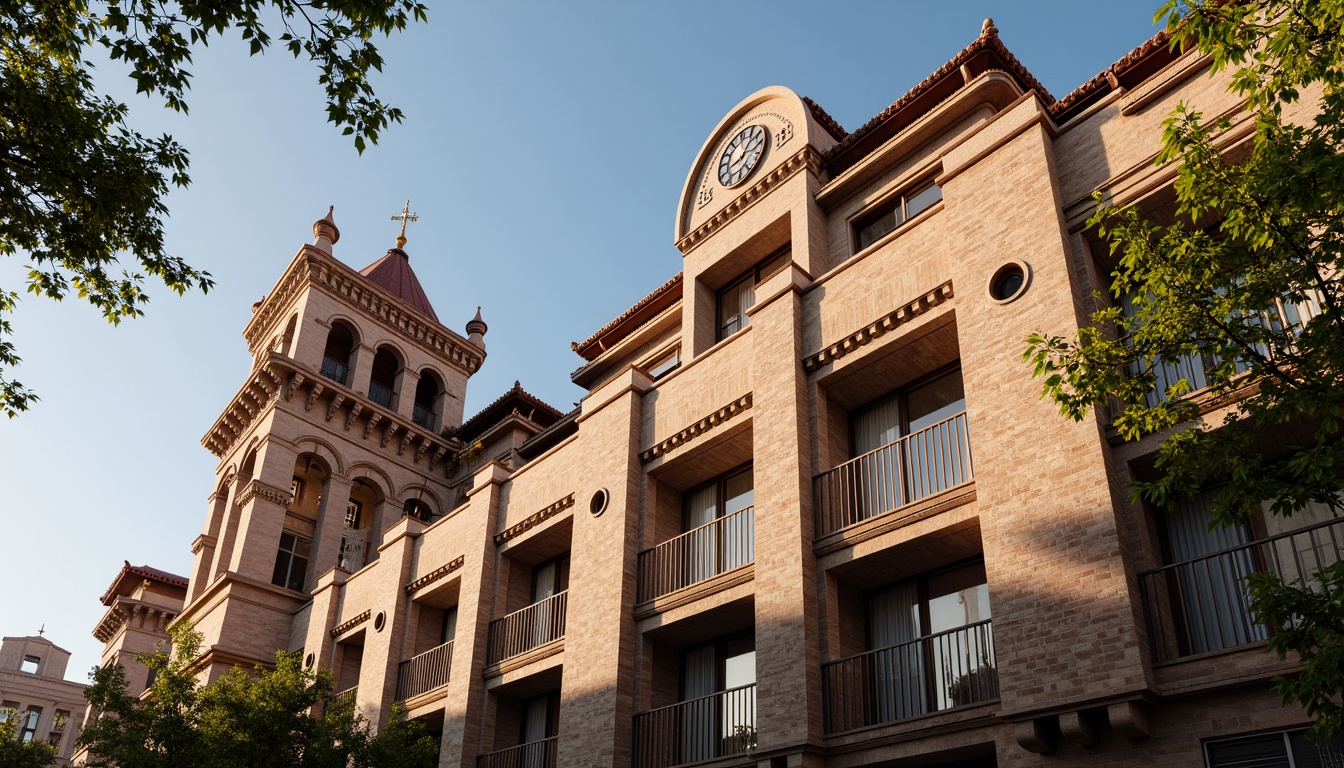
[34,690]
[811,511]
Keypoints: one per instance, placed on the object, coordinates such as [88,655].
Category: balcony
[916,466]
[380,394]
[354,548]
[941,671]
[534,754]
[718,725]
[1201,605]
[521,631]
[699,554]
[342,700]
[334,369]
[422,416]
[424,672]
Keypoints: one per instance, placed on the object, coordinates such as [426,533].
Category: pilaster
[330,527]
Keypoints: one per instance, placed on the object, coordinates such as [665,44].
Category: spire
[404,216]
[393,274]
[476,329]
[325,233]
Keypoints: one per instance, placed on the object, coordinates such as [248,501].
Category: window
[336,355]
[58,727]
[291,561]
[718,686]
[739,295]
[1282,749]
[448,630]
[418,509]
[664,364]
[426,392]
[383,377]
[892,214]
[30,664]
[541,718]
[934,648]
[550,578]
[718,520]
[28,724]
[295,490]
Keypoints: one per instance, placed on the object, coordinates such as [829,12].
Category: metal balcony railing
[380,394]
[422,416]
[534,754]
[334,369]
[521,631]
[718,725]
[354,548]
[342,700]
[701,553]
[1202,605]
[920,464]
[424,672]
[932,673]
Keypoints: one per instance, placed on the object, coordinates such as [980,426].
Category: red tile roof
[1135,66]
[643,311]
[393,274]
[516,399]
[144,572]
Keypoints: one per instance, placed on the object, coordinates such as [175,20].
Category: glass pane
[937,400]
[877,426]
[871,231]
[543,581]
[893,616]
[535,719]
[1265,751]
[958,598]
[449,625]
[922,200]
[739,670]
[737,492]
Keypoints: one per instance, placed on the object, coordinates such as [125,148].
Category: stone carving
[344,627]
[355,410]
[700,427]
[807,157]
[335,405]
[258,489]
[535,519]
[436,574]
[879,327]
[313,394]
[373,422]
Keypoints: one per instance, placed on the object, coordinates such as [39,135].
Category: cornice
[258,489]
[346,626]
[246,407]
[807,157]
[710,422]
[879,327]
[126,612]
[436,574]
[535,519]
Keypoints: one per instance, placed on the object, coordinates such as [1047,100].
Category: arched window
[419,510]
[384,377]
[336,358]
[426,392]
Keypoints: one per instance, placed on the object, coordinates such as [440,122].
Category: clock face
[741,155]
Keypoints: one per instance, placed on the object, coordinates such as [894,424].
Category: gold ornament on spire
[404,216]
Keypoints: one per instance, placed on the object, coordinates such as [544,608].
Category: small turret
[325,232]
[476,329]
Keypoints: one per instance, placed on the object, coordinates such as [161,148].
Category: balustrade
[718,725]
[699,554]
[424,672]
[521,631]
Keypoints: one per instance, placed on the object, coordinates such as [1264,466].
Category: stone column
[261,507]
[383,644]
[330,527]
[361,369]
[465,702]
[597,691]
[788,688]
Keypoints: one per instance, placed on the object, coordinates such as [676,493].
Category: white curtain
[898,672]
[536,722]
[878,481]
[700,552]
[1213,597]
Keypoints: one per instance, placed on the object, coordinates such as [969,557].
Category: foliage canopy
[1240,295]
[80,190]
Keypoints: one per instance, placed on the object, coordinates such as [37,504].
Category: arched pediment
[729,164]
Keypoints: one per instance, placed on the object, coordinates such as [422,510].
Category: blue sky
[545,146]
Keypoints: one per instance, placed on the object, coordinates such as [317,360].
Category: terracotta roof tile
[1100,83]
[541,413]
[644,310]
[824,118]
[393,274]
[144,572]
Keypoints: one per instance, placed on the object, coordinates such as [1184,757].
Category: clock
[741,155]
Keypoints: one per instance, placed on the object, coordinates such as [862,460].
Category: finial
[43,630]
[476,329]
[989,29]
[405,216]
[325,233]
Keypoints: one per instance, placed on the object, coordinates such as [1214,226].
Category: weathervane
[404,216]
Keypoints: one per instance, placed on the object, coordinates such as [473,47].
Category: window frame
[28,658]
[720,481]
[294,555]
[672,356]
[1285,736]
[898,201]
[900,394]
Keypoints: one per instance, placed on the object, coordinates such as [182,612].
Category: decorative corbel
[355,410]
[388,433]
[335,405]
[373,422]
[405,441]
[313,395]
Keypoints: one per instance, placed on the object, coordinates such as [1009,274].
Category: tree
[80,189]
[1240,293]
[15,753]
[256,718]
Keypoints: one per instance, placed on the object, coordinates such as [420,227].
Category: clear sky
[545,147]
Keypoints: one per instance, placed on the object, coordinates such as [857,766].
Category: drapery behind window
[898,673]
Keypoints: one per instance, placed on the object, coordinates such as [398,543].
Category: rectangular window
[448,630]
[1281,749]
[892,214]
[717,518]
[739,295]
[30,664]
[28,725]
[291,561]
[718,685]
[550,578]
[58,728]
[664,364]
[295,490]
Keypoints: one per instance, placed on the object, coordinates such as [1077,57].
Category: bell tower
[337,435]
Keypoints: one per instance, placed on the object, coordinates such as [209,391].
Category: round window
[598,503]
[1009,282]
[379,621]
[308,661]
